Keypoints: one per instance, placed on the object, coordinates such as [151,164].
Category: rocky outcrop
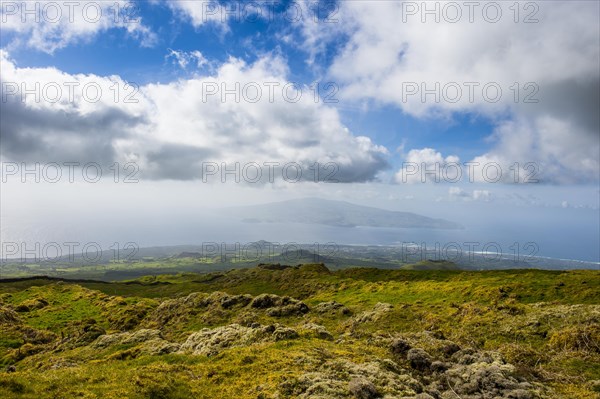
[378,311]
[279,306]
[218,306]
[149,341]
[210,342]
[419,359]
[317,331]
[332,308]
[345,379]
[454,372]
[362,388]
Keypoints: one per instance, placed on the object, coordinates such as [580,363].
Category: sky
[483,111]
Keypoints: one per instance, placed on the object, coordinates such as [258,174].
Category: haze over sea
[576,237]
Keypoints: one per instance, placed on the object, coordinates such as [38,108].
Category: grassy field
[304,332]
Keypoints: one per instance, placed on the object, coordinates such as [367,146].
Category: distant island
[335,213]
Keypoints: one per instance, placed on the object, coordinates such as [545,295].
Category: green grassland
[305,332]
[130,269]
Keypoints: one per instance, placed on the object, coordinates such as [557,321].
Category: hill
[304,331]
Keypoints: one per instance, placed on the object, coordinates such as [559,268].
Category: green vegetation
[305,332]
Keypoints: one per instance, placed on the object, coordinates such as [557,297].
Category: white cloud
[546,148]
[387,55]
[428,165]
[47,25]
[175,127]
[201,12]
[455,193]
[183,58]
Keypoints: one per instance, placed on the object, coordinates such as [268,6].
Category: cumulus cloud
[48,25]
[546,148]
[243,113]
[436,69]
[428,165]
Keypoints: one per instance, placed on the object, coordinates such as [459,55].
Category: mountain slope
[304,332]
